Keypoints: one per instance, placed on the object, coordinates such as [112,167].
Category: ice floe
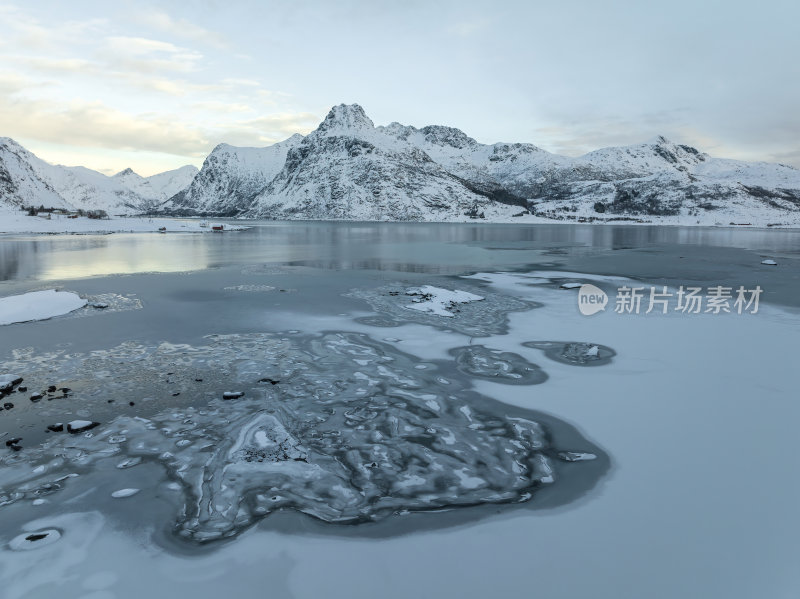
[497,366]
[576,456]
[121,493]
[442,302]
[34,540]
[576,353]
[38,305]
[476,317]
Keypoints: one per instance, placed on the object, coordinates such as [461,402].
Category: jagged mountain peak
[127,172]
[658,140]
[14,146]
[346,117]
[447,136]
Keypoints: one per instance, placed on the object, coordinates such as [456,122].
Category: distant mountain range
[349,169]
[26,180]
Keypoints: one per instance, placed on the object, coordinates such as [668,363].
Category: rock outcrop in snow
[26,180]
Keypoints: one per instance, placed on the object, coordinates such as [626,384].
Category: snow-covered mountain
[349,169]
[230,178]
[154,190]
[26,180]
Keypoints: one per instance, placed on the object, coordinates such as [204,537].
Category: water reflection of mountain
[433,248]
[17,259]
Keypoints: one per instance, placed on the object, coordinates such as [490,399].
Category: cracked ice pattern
[575,353]
[353,433]
[478,318]
[497,366]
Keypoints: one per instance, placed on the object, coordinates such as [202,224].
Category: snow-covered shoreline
[503,219]
[18,222]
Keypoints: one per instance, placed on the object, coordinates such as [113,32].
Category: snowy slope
[20,183]
[26,180]
[160,187]
[505,169]
[230,177]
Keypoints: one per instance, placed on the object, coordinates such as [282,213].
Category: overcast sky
[155,86]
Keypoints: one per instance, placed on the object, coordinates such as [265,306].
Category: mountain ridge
[27,180]
[348,168]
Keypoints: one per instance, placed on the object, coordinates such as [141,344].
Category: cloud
[92,124]
[242,82]
[25,31]
[145,55]
[575,137]
[267,129]
[791,158]
[181,28]
[218,107]
[140,45]
[12,83]
[83,124]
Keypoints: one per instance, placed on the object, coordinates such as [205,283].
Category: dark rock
[176,394]
[80,426]
[268,380]
[232,394]
[7,383]
[56,428]
[8,405]
[14,441]
[51,389]
[22,389]
[36,396]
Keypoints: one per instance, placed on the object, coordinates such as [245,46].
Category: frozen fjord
[659,488]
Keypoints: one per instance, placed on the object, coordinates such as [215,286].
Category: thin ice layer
[352,433]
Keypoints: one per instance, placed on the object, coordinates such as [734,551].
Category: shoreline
[190,224]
